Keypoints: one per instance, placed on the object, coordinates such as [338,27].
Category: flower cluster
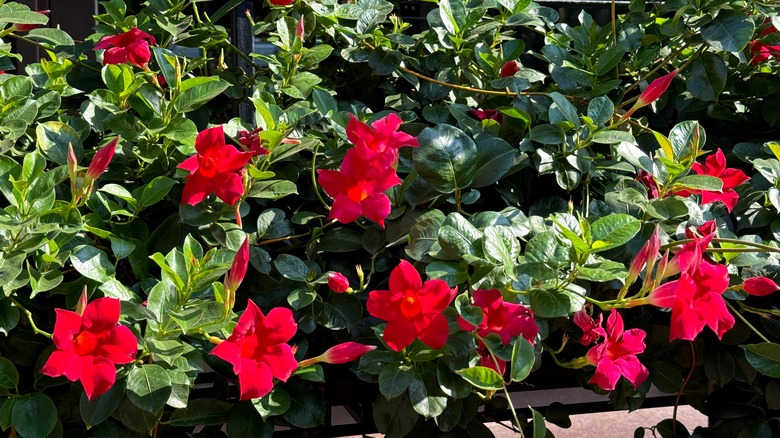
[368,170]
[616,355]
[128,47]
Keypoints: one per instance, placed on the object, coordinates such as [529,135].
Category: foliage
[498,150]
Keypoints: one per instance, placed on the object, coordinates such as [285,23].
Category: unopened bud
[759,286]
[337,282]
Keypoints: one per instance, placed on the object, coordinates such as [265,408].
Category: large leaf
[198,91]
[306,410]
[730,31]
[482,377]
[53,139]
[764,357]
[34,415]
[394,380]
[613,230]
[446,158]
[394,417]
[707,78]
[92,263]
[98,409]
[148,387]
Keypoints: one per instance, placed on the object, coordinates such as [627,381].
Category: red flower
[508,320]
[358,187]
[715,165]
[131,46]
[760,52]
[412,309]
[258,349]
[101,159]
[616,356]
[281,2]
[591,329]
[759,286]
[251,141]
[646,256]
[379,138]
[509,69]
[19,27]
[89,345]
[695,299]
[337,282]
[216,168]
[647,180]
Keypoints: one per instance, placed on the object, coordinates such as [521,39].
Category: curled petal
[436,333]
[66,327]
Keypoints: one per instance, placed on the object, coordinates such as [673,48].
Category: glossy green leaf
[612,231]
[276,402]
[53,139]
[98,409]
[9,376]
[764,357]
[446,158]
[148,387]
[394,380]
[92,263]
[34,415]
[307,409]
[482,377]
[730,31]
[522,359]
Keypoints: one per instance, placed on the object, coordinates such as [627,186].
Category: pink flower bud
[73,163]
[337,282]
[647,255]
[19,27]
[509,69]
[346,352]
[238,269]
[300,29]
[655,89]
[100,162]
[759,286]
[82,304]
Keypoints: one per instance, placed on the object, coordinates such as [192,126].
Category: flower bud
[73,164]
[646,256]
[238,269]
[509,69]
[655,89]
[346,352]
[337,282]
[300,29]
[100,162]
[759,286]
[82,304]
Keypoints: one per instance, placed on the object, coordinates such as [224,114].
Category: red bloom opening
[715,165]
[131,46]
[616,356]
[413,310]
[258,349]
[214,169]
[509,69]
[591,329]
[101,160]
[89,346]
[656,89]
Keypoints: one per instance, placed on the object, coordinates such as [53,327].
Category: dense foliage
[442,213]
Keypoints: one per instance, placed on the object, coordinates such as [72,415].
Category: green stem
[314,177]
[760,246]
[764,338]
[35,328]
[504,387]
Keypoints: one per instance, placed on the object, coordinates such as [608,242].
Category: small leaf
[522,359]
[764,357]
[148,387]
[482,377]
[34,415]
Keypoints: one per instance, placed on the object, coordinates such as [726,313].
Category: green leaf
[494,158]
[550,303]
[424,234]
[17,16]
[9,316]
[9,376]
[730,31]
[276,402]
[34,415]
[394,417]
[383,61]
[148,387]
[613,230]
[92,263]
[565,107]
[451,272]
[522,359]
[600,110]
[472,314]
[608,59]
[98,409]
[547,134]
[701,182]
[272,189]
[707,77]
[604,270]
[168,62]
[300,298]
[306,410]
[53,139]
[291,267]
[118,78]
[427,403]
[55,37]
[245,421]
[613,137]
[482,377]
[446,158]
[764,357]
[540,429]
[156,190]
[394,379]
[198,91]
[202,412]
[683,139]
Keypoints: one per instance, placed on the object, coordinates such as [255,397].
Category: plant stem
[679,393]
[760,246]
[35,328]
[314,177]
[764,338]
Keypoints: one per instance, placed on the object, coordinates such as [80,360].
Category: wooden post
[244,41]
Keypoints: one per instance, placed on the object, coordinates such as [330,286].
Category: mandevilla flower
[759,286]
[760,52]
[23,27]
[258,349]
[89,346]
[337,282]
[131,46]
[215,168]
[591,329]
[715,165]
[646,256]
[509,69]
[508,320]
[616,356]
[251,140]
[379,138]
[358,187]
[488,114]
[281,2]
[342,353]
[412,309]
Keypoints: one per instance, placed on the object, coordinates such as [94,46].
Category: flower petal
[376,207]
[66,327]
[98,375]
[435,295]
[405,277]
[115,55]
[62,362]
[384,304]
[279,326]
[345,210]
[399,333]
[436,333]
[120,346]
[102,314]
[255,379]
[280,361]
[209,139]
[229,187]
